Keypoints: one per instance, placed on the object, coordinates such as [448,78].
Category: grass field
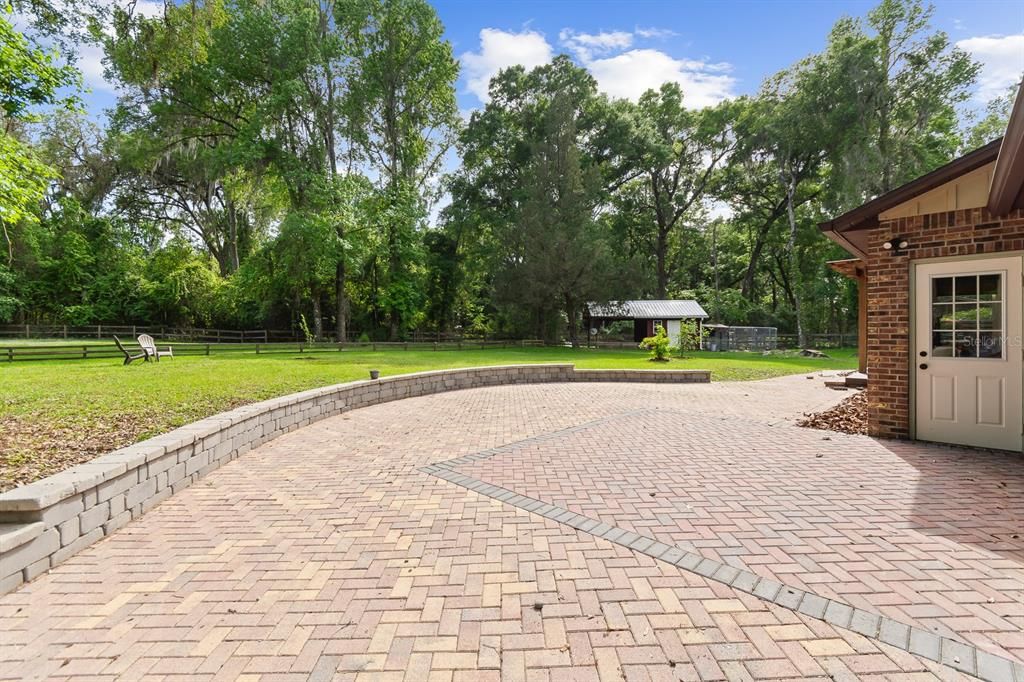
[56,413]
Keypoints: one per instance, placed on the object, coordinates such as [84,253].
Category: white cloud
[588,45]
[502,49]
[1002,62]
[90,63]
[632,73]
[620,68]
[653,32]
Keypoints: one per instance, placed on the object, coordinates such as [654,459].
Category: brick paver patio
[328,553]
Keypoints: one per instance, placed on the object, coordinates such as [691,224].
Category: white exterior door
[968,355]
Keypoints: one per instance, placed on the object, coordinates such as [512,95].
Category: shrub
[691,334]
[304,328]
[658,344]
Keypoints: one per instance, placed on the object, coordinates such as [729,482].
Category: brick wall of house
[936,235]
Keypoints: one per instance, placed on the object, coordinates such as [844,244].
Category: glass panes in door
[967,316]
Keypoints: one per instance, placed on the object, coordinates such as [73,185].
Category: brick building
[939,263]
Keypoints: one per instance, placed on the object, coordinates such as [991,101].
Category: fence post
[207,349]
[27,332]
[65,331]
[10,355]
[134,335]
[257,349]
[85,352]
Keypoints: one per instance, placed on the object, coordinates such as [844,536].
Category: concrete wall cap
[17,534]
[38,495]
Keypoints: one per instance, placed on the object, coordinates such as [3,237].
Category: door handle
[923,365]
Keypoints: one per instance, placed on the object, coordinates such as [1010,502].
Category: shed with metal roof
[646,315]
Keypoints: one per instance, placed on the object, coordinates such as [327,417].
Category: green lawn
[56,413]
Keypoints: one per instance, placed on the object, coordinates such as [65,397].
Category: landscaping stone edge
[45,522]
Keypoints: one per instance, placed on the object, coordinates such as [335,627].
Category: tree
[30,77]
[903,81]
[679,152]
[180,130]
[401,115]
[554,256]
[497,184]
[307,251]
[993,124]
[443,275]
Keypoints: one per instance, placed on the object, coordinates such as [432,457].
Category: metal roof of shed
[648,310]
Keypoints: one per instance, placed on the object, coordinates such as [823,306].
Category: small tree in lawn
[691,336]
[658,345]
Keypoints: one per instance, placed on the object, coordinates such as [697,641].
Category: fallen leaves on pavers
[849,416]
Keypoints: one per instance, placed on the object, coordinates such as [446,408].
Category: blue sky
[714,49]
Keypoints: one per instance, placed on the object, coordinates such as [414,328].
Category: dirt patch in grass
[849,416]
[33,447]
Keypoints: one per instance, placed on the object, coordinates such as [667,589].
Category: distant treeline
[281,163]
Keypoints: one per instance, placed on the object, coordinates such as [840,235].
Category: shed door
[968,357]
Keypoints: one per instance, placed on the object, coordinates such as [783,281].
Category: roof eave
[865,216]
[841,239]
[1008,176]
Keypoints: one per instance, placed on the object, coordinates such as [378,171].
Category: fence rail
[86,351]
[105,331]
[203,334]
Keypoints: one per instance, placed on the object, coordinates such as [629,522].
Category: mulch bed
[849,416]
[31,449]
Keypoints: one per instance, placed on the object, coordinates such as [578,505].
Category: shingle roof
[647,310]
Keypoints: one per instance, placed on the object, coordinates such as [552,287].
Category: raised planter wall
[44,523]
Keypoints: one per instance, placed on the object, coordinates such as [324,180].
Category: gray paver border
[958,655]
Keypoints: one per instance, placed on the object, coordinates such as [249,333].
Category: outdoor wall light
[896,245]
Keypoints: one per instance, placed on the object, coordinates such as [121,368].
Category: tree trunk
[394,270]
[755,257]
[318,318]
[884,123]
[342,299]
[233,236]
[714,266]
[662,254]
[570,316]
[794,260]
[10,244]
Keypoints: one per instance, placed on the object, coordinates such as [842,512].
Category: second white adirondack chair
[149,346]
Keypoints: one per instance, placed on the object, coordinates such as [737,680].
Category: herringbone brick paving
[326,555]
[925,535]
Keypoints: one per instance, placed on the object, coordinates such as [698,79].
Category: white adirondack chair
[149,346]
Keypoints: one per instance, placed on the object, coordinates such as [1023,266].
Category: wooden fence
[202,334]
[96,350]
[106,331]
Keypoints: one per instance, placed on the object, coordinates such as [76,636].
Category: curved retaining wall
[44,523]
